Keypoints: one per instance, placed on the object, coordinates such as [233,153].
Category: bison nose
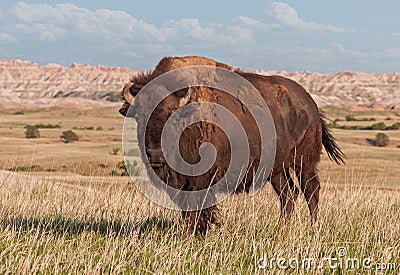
[155,157]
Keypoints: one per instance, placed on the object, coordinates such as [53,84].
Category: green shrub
[69,136]
[48,126]
[123,168]
[395,126]
[381,140]
[114,151]
[31,168]
[350,118]
[378,126]
[32,131]
[44,126]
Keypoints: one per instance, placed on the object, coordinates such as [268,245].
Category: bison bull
[300,132]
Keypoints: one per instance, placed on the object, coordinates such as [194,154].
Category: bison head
[159,116]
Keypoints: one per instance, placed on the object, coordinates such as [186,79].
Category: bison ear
[184,100]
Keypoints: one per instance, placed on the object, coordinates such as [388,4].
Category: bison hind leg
[287,191]
[293,188]
[310,186]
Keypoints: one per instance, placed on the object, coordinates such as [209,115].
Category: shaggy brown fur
[300,128]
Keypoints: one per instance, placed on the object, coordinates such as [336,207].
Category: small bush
[132,152]
[378,126]
[123,168]
[350,118]
[114,151]
[31,168]
[32,131]
[83,128]
[99,128]
[395,126]
[388,118]
[381,140]
[44,126]
[69,136]
[48,126]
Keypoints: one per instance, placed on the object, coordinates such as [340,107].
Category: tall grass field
[69,208]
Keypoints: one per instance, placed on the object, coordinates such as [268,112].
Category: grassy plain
[61,211]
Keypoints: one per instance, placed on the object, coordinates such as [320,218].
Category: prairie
[64,208]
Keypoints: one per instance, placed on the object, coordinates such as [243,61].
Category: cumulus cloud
[288,17]
[116,37]
[50,22]
[191,28]
[115,31]
[63,21]
[253,23]
[339,48]
[393,53]
[7,37]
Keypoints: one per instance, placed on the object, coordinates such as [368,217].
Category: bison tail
[329,142]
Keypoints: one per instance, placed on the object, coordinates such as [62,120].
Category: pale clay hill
[27,84]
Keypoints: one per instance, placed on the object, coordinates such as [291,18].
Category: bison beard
[300,129]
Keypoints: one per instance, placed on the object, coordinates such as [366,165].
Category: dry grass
[83,221]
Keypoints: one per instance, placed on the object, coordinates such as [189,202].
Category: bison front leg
[287,192]
[199,222]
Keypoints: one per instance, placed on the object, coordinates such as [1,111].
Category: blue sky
[318,36]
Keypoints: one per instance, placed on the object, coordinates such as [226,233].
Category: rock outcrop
[352,90]
[25,83]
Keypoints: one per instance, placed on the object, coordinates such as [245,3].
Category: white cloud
[393,53]
[191,28]
[118,32]
[115,37]
[252,23]
[337,47]
[288,16]
[37,13]
[49,22]
[192,34]
[241,36]
[7,37]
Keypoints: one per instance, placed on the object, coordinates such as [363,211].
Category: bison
[300,128]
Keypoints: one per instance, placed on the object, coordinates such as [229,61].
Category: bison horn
[127,94]
[184,100]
